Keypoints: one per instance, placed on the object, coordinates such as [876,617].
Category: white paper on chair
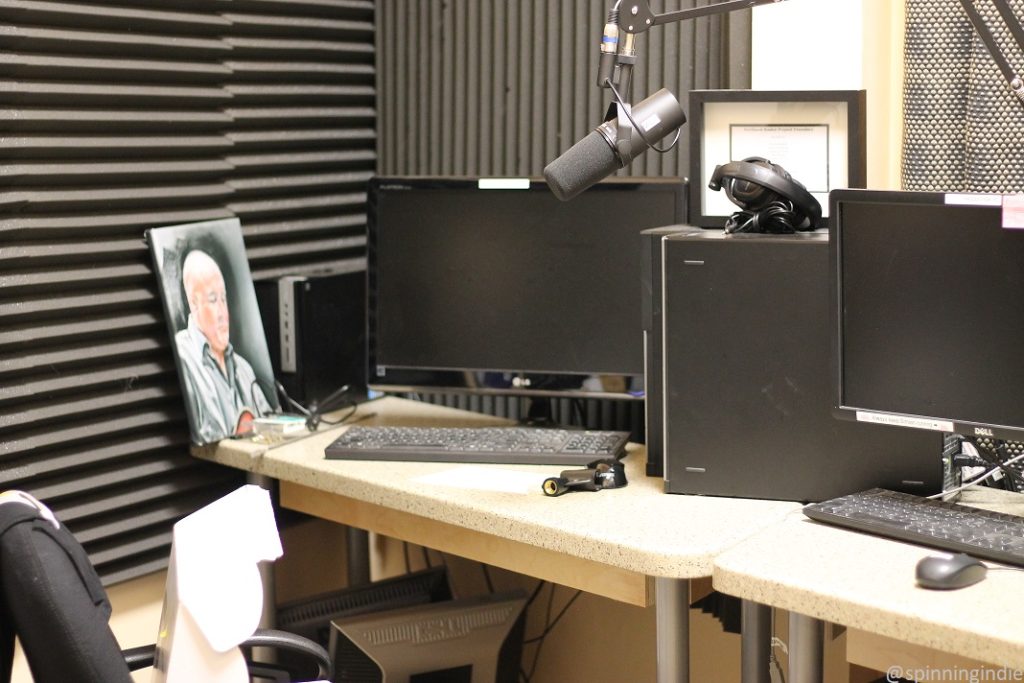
[214,596]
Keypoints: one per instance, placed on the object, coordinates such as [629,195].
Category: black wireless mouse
[949,571]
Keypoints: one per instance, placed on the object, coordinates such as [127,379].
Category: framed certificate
[817,136]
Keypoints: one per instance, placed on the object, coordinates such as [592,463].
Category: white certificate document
[800,149]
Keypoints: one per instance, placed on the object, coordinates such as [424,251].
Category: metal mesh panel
[118,117]
[962,124]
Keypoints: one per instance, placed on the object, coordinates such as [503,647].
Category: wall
[491,87]
[839,45]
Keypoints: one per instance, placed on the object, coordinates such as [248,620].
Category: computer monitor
[928,302]
[470,640]
[497,287]
[311,616]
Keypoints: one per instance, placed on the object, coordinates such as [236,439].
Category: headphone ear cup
[748,194]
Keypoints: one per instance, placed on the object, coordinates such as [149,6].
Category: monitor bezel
[840,408]
[677,185]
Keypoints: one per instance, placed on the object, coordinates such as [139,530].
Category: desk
[866,583]
[635,544]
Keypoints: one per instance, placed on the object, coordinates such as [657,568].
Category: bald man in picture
[220,386]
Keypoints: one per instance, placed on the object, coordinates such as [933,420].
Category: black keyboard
[956,528]
[521,445]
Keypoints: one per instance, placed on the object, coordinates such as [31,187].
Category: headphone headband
[765,174]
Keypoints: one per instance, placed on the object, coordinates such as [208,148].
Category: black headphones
[771,199]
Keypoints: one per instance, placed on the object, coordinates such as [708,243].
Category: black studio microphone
[596,156]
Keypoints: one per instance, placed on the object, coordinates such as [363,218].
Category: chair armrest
[139,657]
[142,657]
[283,640]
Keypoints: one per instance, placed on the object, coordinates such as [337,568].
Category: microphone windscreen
[588,161]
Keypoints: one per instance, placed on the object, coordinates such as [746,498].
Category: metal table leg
[672,608]
[755,642]
[358,546]
[806,646]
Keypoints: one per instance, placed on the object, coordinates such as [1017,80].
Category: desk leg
[672,620]
[358,547]
[755,642]
[806,636]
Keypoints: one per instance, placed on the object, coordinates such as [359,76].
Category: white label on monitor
[963,199]
[905,421]
[503,184]
[1013,211]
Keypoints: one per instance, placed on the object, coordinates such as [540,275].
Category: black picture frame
[812,113]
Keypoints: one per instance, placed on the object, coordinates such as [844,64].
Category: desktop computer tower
[745,381]
[316,332]
[651,309]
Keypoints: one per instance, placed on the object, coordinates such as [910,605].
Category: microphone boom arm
[637,17]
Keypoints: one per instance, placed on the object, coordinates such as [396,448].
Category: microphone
[604,150]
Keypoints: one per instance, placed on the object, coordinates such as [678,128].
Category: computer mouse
[949,571]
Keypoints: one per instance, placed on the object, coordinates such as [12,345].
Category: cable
[487,578]
[636,126]
[315,412]
[405,554]
[540,639]
[554,622]
[549,626]
[977,480]
[1003,457]
[777,218]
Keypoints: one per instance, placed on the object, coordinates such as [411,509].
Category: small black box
[316,332]
[745,403]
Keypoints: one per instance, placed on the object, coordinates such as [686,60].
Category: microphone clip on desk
[600,474]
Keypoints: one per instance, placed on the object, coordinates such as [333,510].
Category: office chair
[51,599]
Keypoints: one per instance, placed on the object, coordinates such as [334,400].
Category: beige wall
[839,45]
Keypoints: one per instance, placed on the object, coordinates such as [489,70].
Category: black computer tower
[650,274]
[316,332]
[745,399]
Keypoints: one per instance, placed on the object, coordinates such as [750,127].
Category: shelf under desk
[635,544]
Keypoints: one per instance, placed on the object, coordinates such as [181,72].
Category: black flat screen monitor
[928,294]
[498,287]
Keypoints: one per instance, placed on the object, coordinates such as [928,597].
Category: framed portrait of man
[216,333]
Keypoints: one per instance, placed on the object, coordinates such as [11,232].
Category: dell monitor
[497,287]
[928,302]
